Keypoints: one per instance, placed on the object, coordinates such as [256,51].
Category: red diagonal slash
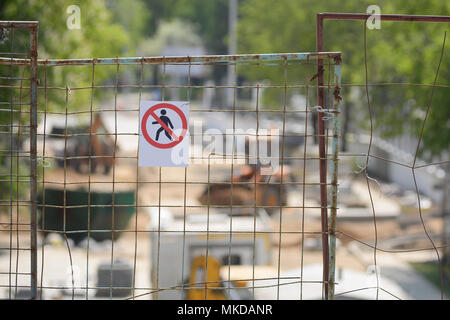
[173,135]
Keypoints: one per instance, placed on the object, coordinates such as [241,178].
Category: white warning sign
[164,134]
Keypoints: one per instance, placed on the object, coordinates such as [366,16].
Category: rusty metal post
[33,160]
[334,175]
[323,159]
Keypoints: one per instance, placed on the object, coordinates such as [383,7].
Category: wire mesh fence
[213,230]
[417,241]
[255,213]
[18,165]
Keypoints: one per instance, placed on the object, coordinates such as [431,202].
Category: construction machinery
[250,188]
[86,145]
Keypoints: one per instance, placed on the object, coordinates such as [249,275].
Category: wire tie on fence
[46,163]
[360,167]
[377,183]
[320,109]
[316,108]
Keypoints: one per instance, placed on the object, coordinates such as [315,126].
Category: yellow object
[240,284]
[205,286]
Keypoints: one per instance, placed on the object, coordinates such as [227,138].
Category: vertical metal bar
[255,193]
[302,246]
[17,181]
[43,184]
[188,93]
[113,196]
[65,189]
[205,271]
[33,154]
[232,48]
[11,193]
[334,175]
[233,156]
[283,135]
[141,82]
[322,156]
[89,180]
[445,206]
[163,97]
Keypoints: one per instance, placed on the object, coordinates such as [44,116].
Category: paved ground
[395,267]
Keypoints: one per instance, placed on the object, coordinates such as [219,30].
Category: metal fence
[410,165]
[111,229]
[18,143]
[220,228]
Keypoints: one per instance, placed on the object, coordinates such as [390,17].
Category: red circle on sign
[144,125]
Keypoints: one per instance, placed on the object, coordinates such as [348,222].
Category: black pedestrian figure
[167,122]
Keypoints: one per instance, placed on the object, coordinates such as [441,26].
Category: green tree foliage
[175,32]
[133,16]
[210,19]
[398,52]
[100,35]
[107,30]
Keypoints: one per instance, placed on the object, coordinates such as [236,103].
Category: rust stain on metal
[336,93]
[337,59]
[320,72]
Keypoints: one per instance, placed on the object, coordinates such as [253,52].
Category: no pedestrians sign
[164,134]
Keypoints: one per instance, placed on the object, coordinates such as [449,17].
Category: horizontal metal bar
[294,111]
[231,134]
[384,17]
[231,183]
[14,224]
[229,156]
[14,53]
[14,78]
[235,206]
[260,86]
[286,158]
[19,24]
[219,232]
[15,273]
[190,286]
[4,103]
[176,59]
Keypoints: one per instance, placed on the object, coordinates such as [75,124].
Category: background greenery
[398,52]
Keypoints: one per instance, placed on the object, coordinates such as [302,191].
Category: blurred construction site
[350,199]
